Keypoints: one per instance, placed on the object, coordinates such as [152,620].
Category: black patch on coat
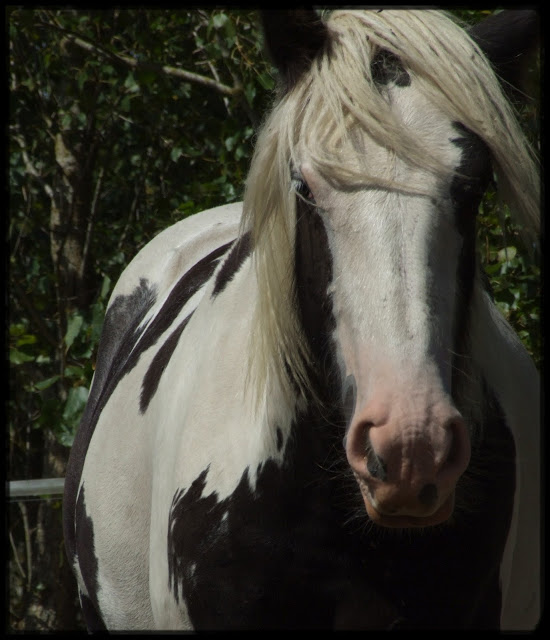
[387,68]
[88,564]
[468,185]
[296,551]
[313,275]
[120,348]
[184,289]
[120,333]
[94,622]
[273,557]
[472,175]
[151,379]
[239,253]
[279,439]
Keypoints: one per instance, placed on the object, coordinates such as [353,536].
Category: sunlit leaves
[514,275]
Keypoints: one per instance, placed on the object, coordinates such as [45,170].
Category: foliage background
[112,139]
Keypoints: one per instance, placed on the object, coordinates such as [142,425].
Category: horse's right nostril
[409,469]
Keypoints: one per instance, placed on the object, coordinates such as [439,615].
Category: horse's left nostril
[458,455]
[428,495]
[376,465]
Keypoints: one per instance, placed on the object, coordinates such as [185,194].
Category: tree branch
[93,209]
[28,549]
[16,557]
[29,165]
[131,63]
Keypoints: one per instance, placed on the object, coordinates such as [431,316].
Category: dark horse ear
[292,40]
[507,38]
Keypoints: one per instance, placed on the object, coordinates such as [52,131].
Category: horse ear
[292,40]
[507,38]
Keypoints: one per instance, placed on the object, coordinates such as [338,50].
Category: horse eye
[303,190]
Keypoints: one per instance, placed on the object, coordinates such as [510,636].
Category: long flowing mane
[338,97]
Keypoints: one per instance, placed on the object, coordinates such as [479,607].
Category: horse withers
[307,411]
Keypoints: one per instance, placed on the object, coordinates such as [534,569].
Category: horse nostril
[458,455]
[454,449]
[376,466]
[428,495]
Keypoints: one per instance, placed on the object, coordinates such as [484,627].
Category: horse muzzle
[407,465]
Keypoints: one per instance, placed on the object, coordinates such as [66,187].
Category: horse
[307,411]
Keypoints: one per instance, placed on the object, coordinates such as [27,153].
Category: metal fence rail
[44,487]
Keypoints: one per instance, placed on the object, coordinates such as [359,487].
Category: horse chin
[439,516]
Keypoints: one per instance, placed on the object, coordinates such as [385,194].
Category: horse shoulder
[175,249]
[116,478]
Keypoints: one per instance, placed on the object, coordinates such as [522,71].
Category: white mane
[338,96]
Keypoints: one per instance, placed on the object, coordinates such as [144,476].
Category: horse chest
[277,556]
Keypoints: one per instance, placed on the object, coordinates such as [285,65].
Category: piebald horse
[307,411]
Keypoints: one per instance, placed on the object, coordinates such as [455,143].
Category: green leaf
[219,20]
[44,384]
[105,287]
[250,92]
[230,32]
[130,83]
[76,401]
[492,269]
[81,79]
[26,339]
[17,329]
[66,121]
[266,80]
[507,254]
[66,437]
[18,357]
[73,371]
[125,104]
[175,153]
[73,329]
